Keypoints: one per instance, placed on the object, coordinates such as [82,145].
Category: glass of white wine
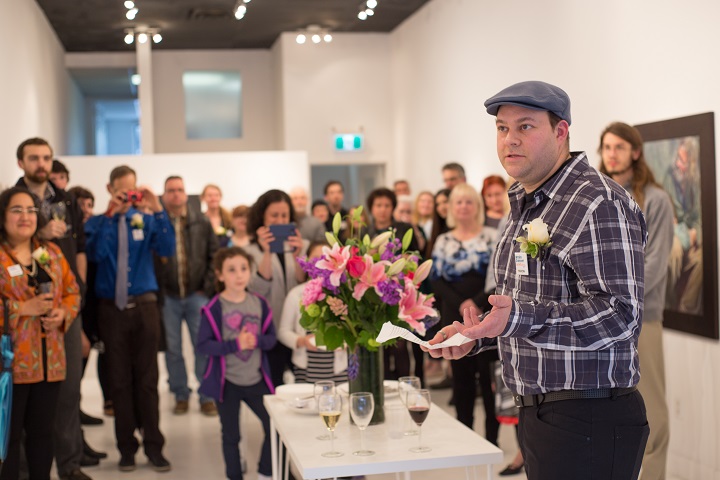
[330,408]
[405,386]
[362,407]
[319,388]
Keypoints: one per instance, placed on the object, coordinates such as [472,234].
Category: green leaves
[407,238]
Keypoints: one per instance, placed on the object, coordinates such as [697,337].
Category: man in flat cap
[569,299]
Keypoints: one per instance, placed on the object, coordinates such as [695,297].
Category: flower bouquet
[355,287]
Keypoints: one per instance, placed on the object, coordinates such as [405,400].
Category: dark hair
[456,167]
[318,203]
[223,254]
[31,141]
[381,192]
[172,177]
[316,243]
[81,193]
[330,184]
[398,182]
[642,175]
[6,197]
[59,167]
[120,172]
[257,211]
[439,225]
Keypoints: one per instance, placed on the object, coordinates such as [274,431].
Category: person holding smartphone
[272,220]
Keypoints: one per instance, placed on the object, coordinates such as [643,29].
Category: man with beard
[64,228]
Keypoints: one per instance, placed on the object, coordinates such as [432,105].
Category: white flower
[537,231]
[220,231]
[136,221]
[41,256]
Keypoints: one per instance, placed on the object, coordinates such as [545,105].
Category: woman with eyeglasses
[42,299]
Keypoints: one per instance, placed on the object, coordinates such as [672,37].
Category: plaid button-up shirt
[576,317]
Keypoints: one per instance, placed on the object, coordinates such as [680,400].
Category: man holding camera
[122,243]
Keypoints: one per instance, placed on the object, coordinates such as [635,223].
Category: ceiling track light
[129,4]
[240,9]
[367,9]
[315,33]
[142,35]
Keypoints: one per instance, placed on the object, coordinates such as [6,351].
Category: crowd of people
[127,279]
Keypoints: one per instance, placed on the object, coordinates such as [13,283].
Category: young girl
[236,331]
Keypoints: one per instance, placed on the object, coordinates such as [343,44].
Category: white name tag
[138,235]
[521,264]
[15,270]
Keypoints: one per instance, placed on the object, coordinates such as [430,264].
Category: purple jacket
[210,342]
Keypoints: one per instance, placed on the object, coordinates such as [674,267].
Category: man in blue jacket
[122,242]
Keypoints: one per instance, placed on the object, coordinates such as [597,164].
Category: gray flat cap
[535,95]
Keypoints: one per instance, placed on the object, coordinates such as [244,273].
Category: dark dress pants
[68,434]
[468,372]
[33,410]
[131,340]
[586,439]
[279,358]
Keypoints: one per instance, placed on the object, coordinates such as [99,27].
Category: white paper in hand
[390,331]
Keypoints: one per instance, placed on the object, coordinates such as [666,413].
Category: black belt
[540,398]
[135,300]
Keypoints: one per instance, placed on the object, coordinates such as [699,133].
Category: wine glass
[58,211]
[362,406]
[321,387]
[330,408]
[418,404]
[406,385]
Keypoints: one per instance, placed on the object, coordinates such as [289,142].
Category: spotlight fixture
[142,34]
[130,14]
[367,9]
[315,33]
[240,9]
[129,4]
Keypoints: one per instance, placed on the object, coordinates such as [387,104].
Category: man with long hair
[623,160]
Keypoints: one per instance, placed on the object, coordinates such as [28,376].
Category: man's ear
[635,155]
[563,130]
[109,189]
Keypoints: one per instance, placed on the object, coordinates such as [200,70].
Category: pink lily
[414,306]
[374,273]
[334,259]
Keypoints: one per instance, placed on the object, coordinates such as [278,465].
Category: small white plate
[389,386]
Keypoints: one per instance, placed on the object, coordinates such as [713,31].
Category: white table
[453,445]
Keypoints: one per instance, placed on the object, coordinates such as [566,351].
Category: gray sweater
[659,216]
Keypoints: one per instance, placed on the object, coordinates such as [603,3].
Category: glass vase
[369,378]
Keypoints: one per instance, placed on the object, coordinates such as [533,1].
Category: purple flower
[389,292]
[353,369]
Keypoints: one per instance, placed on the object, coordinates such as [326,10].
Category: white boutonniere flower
[41,256]
[137,222]
[220,231]
[537,238]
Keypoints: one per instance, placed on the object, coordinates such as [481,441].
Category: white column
[145,95]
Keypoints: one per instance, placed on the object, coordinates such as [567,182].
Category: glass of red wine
[418,404]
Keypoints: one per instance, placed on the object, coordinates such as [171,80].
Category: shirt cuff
[520,320]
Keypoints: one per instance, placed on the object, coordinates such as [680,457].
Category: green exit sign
[348,142]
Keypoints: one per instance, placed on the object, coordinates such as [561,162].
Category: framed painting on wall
[681,154]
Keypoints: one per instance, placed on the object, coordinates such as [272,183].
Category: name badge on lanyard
[521,264]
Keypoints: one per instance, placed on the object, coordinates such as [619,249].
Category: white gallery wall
[344,87]
[638,62]
[39,98]
[258,99]
[236,173]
